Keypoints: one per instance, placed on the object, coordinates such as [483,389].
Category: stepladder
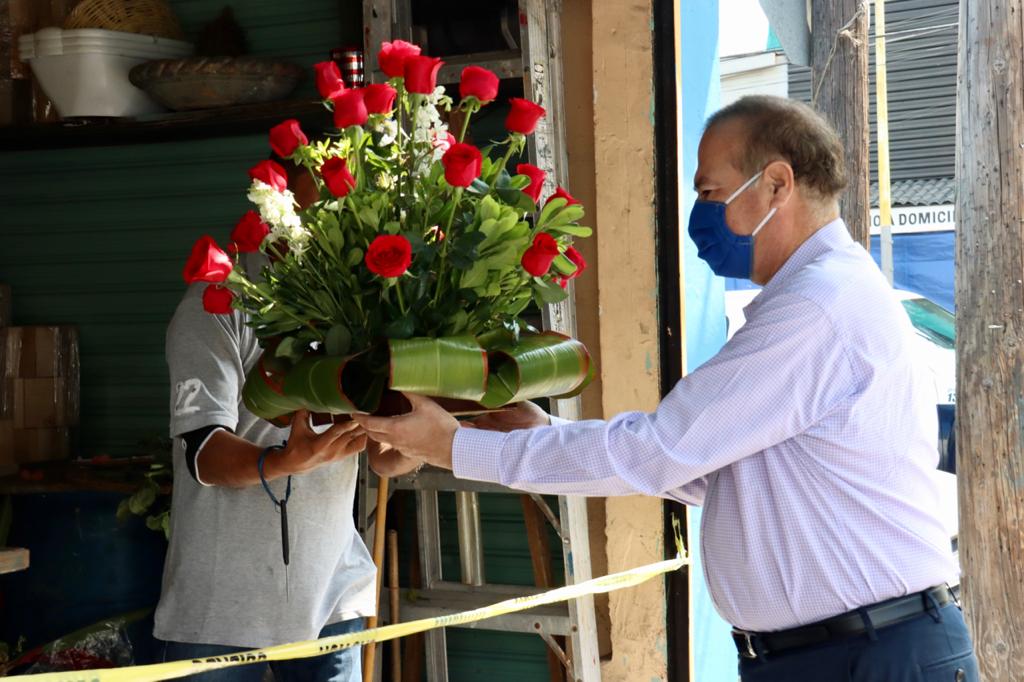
[532,33]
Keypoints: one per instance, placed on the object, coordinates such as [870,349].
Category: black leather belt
[753,644]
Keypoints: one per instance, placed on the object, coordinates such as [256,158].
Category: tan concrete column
[628,307]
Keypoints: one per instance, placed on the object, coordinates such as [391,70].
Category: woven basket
[146,17]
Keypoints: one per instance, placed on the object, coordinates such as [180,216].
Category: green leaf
[316,385]
[401,328]
[539,365]
[516,199]
[354,258]
[290,348]
[574,230]
[563,265]
[369,217]
[567,215]
[548,292]
[263,393]
[124,510]
[392,227]
[338,340]
[155,522]
[548,211]
[475,276]
[142,500]
[448,367]
[479,187]
[517,182]
[488,209]
[488,227]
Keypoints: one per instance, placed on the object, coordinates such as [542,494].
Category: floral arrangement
[411,270]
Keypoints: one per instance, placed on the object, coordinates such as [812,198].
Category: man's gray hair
[784,129]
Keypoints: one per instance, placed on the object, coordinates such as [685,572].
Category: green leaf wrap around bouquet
[491,374]
[539,365]
[453,367]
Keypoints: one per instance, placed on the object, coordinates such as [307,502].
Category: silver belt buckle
[749,653]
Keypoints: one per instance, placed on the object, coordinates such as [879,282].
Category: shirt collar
[831,236]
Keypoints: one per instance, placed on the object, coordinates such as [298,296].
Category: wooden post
[839,90]
[990,326]
[370,649]
[540,559]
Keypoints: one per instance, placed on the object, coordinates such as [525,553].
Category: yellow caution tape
[318,647]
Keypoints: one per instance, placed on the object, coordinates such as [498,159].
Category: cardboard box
[44,403]
[41,445]
[35,352]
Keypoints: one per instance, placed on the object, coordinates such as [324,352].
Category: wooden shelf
[241,120]
[123,475]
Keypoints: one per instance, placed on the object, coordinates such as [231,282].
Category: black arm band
[193,441]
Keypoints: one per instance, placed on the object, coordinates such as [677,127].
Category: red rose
[248,234]
[335,173]
[285,138]
[421,74]
[217,299]
[462,164]
[536,176]
[328,80]
[392,57]
[480,83]
[537,259]
[207,263]
[523,116]
[562,194]
[350,109]
[577,258]
[379,98]
[270,173]
[389,255]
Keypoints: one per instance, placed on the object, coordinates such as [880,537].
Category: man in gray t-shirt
[225,585]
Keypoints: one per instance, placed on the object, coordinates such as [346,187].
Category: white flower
[388,130]
[277,209]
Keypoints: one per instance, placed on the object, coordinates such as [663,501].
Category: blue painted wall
[713,652]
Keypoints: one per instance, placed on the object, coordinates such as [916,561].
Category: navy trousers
[932,647]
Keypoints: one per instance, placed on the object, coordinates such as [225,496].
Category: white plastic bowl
[85,71]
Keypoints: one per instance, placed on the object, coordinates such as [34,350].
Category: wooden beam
[13,560]
[990,330]
[839,90]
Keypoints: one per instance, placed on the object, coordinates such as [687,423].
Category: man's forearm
[390,463]
[230,461]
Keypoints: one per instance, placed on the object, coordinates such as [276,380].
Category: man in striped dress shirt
[810,439]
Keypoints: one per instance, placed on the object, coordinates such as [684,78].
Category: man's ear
[782,182]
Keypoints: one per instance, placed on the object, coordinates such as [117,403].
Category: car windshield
[932,321]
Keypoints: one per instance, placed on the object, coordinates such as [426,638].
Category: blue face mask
[727,253]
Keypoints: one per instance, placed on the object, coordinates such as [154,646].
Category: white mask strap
[745,185]
[763,222]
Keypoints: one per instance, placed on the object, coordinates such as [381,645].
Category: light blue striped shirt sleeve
[762,388]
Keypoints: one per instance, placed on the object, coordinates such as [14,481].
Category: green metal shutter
[97,237]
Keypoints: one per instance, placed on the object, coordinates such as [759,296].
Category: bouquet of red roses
[411,271]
